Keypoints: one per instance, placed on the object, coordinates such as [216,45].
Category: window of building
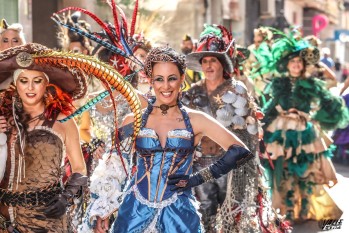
[9,10]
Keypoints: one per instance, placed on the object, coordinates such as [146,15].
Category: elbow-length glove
[232,159]
[58,205]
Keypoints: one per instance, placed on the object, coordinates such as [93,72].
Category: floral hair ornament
[264,32]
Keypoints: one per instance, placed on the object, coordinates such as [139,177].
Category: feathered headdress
[284,48]
[66,36]
[289,46]
[264,32]
[116,37]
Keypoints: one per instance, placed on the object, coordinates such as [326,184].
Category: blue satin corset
[155,164]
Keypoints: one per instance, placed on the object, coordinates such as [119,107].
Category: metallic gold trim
[206,174]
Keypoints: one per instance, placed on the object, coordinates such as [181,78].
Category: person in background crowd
[345,72]
[10,36]
[187,44]
[191,76]
[295,143]
[338,69]
[262,40]
[227,100]
[327,60]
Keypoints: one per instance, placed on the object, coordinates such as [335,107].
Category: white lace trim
[156,205]
[183,133]
[105,190]
[145,132]
[152,226]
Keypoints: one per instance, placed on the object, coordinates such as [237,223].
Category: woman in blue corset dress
[159,197]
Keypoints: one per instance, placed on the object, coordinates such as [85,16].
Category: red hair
[57,101]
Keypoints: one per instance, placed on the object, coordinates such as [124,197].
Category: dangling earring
[180,95]
[18,103]
[184,86]
[46,99]
[149,93]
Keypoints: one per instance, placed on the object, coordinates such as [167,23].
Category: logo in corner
[330,224]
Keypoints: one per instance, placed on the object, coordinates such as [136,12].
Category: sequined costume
[44,152]
[232,107]
[108,177]
[102,116]
[298,149]
[149,205]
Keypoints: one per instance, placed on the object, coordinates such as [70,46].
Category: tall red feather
[116,20]
[134,19]
[93,16]
[124,21]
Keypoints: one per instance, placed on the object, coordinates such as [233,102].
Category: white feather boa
[105,190]
[3,154]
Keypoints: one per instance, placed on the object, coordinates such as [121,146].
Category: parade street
[340,195]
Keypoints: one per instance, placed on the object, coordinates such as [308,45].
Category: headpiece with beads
[164,54]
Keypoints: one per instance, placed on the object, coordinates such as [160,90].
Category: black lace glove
[232,159]
[58,205]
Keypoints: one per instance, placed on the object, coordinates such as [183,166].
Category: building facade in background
[180,17]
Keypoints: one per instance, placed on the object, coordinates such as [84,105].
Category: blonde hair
[15,27]
[17,72]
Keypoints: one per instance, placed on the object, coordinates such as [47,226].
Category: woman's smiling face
[166,82]
[31,86]
[295,66]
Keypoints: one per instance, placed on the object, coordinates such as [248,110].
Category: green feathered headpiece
[283,49]
[287,47]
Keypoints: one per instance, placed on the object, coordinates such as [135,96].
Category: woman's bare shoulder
[66,124]
[129,118]
[195,113]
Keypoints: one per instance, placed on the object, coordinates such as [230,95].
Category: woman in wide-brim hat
[295,143]
[39,136]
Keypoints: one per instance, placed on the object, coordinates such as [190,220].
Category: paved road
[340,194]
